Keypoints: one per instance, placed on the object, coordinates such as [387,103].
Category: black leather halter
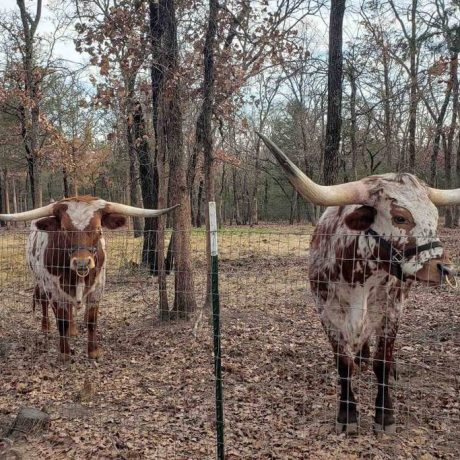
[397,257]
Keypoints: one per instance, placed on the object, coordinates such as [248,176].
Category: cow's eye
[399,220]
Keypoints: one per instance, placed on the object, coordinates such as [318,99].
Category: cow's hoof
[389,429]
[95,354]
[348,428]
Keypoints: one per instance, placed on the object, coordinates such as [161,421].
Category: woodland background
[163,100]
[71,127]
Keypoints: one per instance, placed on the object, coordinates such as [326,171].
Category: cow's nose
[82,264]
[449,275]
[447,270]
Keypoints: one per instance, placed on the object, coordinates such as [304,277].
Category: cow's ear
[48,224]
[113,220]
[361,218]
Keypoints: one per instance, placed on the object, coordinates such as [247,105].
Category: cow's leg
[72,324]
[38,297]
[347,417]
[62,313]
[363,355]
[383,361]
[93,349]
[46,325]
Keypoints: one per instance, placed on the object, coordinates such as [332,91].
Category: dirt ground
[152,394]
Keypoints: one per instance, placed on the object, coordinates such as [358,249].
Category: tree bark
[170,128]
[334,100]
[157,76]
[413,88]
[450,220]
[132,152]
[412,43]
[31,110]
[65,182]
[457,173]
[204,129]
[148,175]
[2,201]
[437,138]
[6,195]
[353,119]
[388,117]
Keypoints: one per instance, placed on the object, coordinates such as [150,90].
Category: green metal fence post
[216,330]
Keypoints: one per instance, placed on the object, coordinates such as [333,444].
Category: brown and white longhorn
[66,253]
[376,238]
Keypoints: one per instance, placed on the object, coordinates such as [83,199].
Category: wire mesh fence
[152,394]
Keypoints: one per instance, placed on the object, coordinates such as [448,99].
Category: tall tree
[157,72]
[204,125]
[334,98]
[148,175]
[115,34]
[30,108]
[171,146]
[413,40]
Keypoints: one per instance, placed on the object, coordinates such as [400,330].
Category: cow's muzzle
[82,265]
[449,275]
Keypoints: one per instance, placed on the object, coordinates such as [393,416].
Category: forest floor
[152,394]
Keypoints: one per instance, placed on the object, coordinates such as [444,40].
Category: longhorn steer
[66,253]
[378,236]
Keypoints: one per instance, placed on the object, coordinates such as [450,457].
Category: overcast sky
[65,48]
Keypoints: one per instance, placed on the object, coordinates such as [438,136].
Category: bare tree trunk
[222,197]
[160,242]
[132,153]
[204,126]
[253,212]
[353,119]
[15,196]
[157,76]
[388,130]
[33,172]
[293,207]
[65,182]
[437,138]
[199,202]
[334,101]
[450,220]
[2,201]
[148,175]
[412,43]
[413,88]
[31,111]
[266,199]
[171,130]
[457,174]
[74,188]
[6,195]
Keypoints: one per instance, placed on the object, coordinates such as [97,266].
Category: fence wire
[152,394]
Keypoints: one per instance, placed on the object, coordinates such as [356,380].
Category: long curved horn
[444,197]
[136,212]
[44,211]
[332,195]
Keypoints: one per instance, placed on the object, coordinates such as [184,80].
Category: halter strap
[397,257]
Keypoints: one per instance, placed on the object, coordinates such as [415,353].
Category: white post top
[213,227]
